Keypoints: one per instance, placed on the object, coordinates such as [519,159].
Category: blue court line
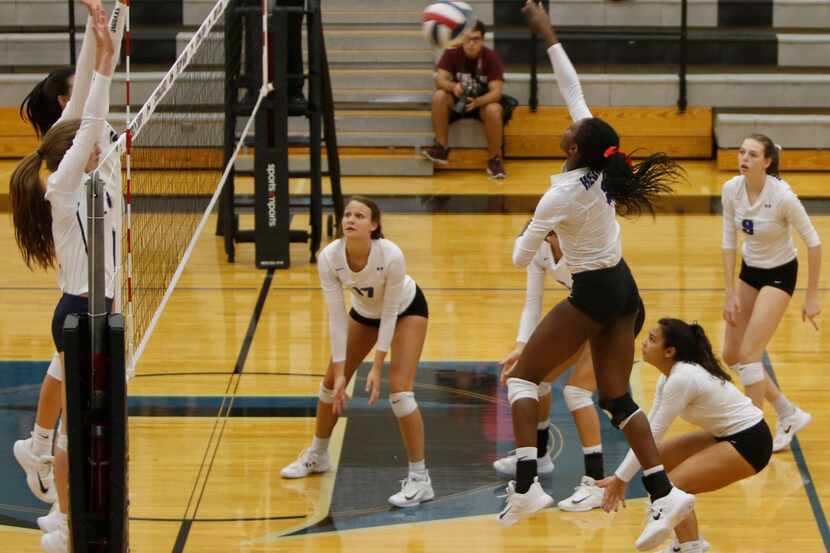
[809,486]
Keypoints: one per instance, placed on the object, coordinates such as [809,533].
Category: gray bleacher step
[389,96]
[381,78]
[804,50]
[636,13]
[804,14]
[363,165]
[805,131]
[348,49]
[381,15]
[30,13]
[371,121]
[718,90]
[15,86]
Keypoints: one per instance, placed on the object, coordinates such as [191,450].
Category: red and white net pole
[130,338]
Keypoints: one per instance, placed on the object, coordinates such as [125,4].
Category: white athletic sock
[42,440]
[592,449]
[418,468]
[783,406]
[652,470]
[320,445]
[543,425]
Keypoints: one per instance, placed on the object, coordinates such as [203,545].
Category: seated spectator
[469,83]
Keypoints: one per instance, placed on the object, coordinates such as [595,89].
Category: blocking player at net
[42,108]
[389,312]
[50,218]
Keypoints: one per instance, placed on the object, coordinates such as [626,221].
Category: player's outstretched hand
[538,20]
[614,493]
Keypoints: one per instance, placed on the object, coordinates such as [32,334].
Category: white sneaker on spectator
[586,496]
[788,426]
[414,491]
[38,469]
[49,522]
[519,506]
[57,541]
[309,461]
[663,515]
[506,466]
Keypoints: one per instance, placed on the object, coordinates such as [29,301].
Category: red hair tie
[611,150]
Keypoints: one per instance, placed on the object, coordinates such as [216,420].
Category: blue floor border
[809,486]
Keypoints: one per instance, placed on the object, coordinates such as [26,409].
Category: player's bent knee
[326,394]
[518,388]
[56,368]
[749,373]
[403,403]
[577,398]
[620,409]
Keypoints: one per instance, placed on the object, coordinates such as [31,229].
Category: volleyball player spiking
[49,101]
[734,441]
[581,206]
[578,392]
[389,312]
[50,219]
[760,206]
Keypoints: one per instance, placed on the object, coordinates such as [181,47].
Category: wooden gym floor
[207,441]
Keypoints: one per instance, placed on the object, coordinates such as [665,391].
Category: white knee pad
[750,373]
[403,403]
[62,442]
[326,395]
[56,367]
[577,398]
[521,389]
[545,388]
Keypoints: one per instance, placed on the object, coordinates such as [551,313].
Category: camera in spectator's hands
[461,104]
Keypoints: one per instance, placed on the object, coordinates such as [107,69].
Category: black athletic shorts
[418,306]
[782,277]
[606,294]
[66,305]
[754,444]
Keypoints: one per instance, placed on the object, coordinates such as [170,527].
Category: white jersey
[700,398]
[65,191]
[381,290]
[766,223]
[575,205]
[542,264]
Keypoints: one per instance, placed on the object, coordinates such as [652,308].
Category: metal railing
[682,63]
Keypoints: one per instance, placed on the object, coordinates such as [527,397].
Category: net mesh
[173,171]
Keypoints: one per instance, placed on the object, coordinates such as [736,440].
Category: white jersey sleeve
[333,294]
[568,81]
[64,183]
[727,199]
[552,208]
[395,277]
[85,65]
[670,399]
[797,216]
[534,291]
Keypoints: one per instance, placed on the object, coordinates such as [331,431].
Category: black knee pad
[619,409]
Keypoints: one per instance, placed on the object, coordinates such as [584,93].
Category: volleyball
[444,22]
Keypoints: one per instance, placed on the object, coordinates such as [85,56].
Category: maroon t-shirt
[473,74]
